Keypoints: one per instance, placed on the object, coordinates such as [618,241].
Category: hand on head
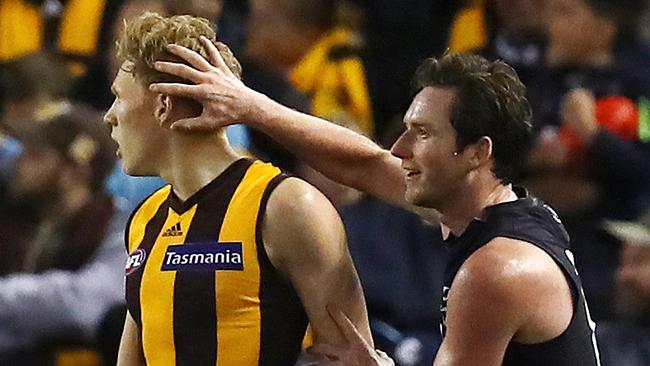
[224,97]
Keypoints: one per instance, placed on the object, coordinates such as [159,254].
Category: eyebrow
[416,124]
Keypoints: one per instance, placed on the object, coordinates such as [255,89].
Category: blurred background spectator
[61,237]
[511,30]
[585,164]
[398,35]
[626,341]
[586,64]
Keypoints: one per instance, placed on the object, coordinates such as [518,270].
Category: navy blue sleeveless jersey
[529,219]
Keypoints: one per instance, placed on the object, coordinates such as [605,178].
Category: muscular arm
[304,238]
[507,290]
[339,153]
[130,353]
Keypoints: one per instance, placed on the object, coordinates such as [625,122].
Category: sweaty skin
[508,290]
[303,234]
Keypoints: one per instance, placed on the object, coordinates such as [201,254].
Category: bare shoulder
[295,194]
[512,267]
[296,203]
[517,284]
[300,219]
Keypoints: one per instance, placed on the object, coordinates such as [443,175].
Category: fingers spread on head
[192,124]
[214,55]
[190,56]
[180,70]
[176,89]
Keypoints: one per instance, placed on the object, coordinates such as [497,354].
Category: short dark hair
[490,101]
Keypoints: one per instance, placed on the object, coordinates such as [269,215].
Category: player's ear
[481,151]
[163,109]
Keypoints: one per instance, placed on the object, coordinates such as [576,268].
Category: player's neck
[472,203]
[194,161]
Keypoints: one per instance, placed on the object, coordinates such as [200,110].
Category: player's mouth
[410,174]
[117,150]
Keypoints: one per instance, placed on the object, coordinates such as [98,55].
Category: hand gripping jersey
[199,283]
[530,220]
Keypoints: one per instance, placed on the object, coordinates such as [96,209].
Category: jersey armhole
[273,183]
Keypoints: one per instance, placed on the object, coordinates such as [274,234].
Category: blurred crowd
[64,200]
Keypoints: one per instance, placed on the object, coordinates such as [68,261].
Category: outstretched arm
[341,154]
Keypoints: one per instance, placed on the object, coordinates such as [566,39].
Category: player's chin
[411,195]
[137,170]
[129,168]
[418,197]
[128,171]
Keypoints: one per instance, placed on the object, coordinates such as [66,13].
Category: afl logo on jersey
[136,259]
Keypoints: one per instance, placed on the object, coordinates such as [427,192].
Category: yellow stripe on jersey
[239,317]
[308,339]
[157,306]
[223,317]
[143,215]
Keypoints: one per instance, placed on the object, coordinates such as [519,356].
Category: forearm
[340,154]
[349,296]
[337,152]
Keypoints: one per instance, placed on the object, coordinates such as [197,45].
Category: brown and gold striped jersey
[199,283]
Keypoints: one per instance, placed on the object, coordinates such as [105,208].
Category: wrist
[262,111]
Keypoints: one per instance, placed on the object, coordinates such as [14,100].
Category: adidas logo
[174,230]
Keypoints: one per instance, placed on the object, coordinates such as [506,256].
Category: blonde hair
[143,41]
